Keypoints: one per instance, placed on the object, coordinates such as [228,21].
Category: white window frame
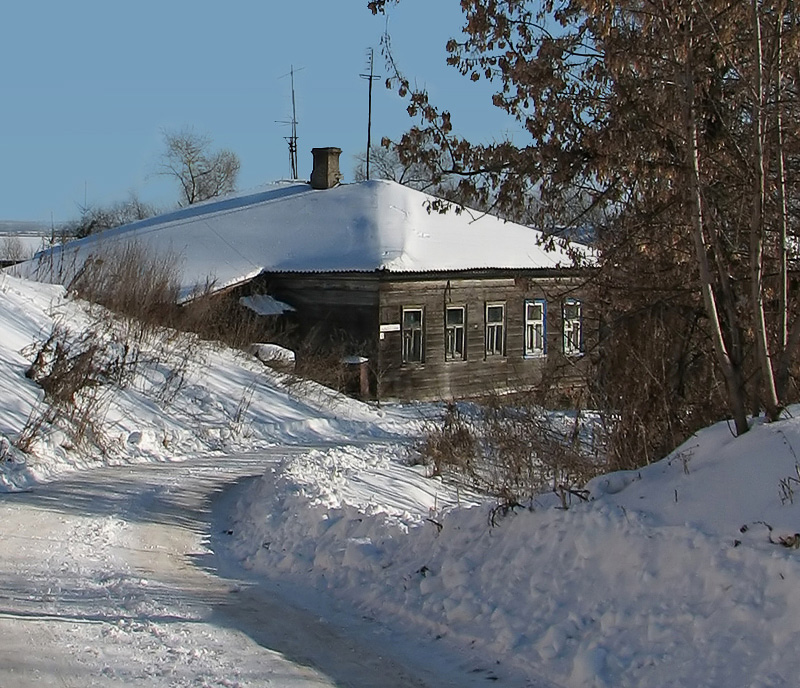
[494,331]
[413,336]
[572,328]
[535,329]
[452,332]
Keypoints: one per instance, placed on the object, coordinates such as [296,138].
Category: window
[412,335]
[535,332]
[573,340]
[454,342]
[495,329]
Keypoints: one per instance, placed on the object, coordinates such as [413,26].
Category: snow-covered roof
[367,226]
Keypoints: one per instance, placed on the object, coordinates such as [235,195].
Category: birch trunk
[770,398]
[730,372]
[782,372]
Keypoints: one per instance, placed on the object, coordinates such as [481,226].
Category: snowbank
[651,583]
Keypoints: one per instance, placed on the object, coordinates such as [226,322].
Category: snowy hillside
[187,397]
[681,574]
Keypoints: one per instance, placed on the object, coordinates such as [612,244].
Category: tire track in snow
[105,579]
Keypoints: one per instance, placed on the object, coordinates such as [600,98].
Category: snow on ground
[682,573]
[652,583]
[107,576]
[187,397]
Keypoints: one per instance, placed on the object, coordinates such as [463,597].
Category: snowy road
[107,579]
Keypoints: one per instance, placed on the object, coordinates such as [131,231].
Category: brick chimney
[325,174]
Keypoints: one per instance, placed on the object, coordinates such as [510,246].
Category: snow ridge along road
[107,579]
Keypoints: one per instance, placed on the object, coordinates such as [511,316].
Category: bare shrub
[135,321]
[789,485]
[63,366]
[657,382]
[131,279]
[52,264]
[528,451]
[453,446]
[71,370]
[39,417]
[326,368]
[512,449]
[237,421]
[142,287]
[77,371]
[178,360]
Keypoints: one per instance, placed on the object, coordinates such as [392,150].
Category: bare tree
[669,116]
[201,172]
[95,219]
[12,250]
[386,163]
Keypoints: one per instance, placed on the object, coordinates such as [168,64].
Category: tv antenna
[292,138]
[371,78]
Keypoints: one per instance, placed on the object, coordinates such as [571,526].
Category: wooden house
[442,305]
[446,334]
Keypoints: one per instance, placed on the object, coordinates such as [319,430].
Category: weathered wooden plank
[479,373]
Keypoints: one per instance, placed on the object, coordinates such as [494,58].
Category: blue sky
[90,85]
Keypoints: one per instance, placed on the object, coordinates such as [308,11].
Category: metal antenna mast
[292,138]
[371,78]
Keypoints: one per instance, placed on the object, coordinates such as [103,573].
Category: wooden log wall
[367,309]
[478,373]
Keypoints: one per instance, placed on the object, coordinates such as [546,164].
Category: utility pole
[370,78]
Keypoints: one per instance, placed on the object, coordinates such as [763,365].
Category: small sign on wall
[389,327]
